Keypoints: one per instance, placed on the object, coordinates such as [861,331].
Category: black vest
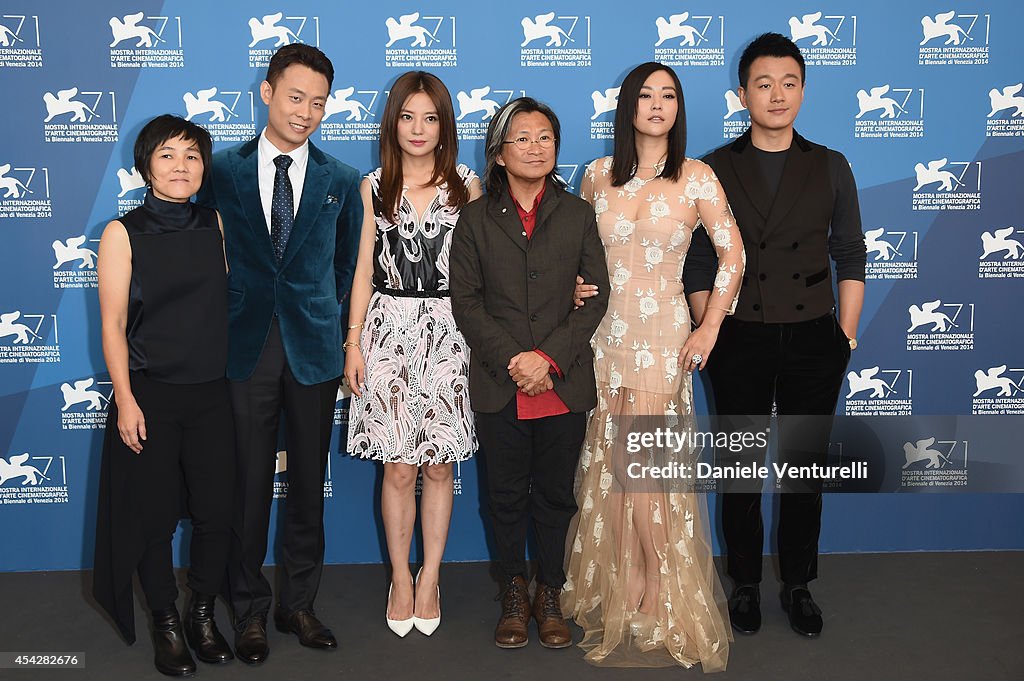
[788,276]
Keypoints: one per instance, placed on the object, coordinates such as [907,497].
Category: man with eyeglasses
[514,261]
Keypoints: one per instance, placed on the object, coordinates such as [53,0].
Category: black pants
[531,466]
[798,367]
[189,439]
[309,414]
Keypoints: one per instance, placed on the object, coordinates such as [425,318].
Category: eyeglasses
[524,143]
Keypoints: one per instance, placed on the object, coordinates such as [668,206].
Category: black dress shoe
[745,608]
[201,631]
[804,613]
[304,624]
[251,642]
[170,654]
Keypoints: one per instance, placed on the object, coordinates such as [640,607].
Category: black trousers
[309,413]
[799,367]
[531,466]
[187,456]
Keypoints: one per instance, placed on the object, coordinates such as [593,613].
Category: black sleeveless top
[177,305]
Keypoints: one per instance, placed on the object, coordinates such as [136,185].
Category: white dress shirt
[267,152]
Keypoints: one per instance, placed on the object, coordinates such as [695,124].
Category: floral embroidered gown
[646,228]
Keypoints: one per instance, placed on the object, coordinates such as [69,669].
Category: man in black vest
[796,206]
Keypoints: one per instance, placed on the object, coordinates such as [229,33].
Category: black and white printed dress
[415,408]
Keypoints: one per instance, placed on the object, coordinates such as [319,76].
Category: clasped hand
[530,372]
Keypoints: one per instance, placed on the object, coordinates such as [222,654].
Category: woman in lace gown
[641,576]
[405,360]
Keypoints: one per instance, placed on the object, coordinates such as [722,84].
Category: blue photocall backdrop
[925,101]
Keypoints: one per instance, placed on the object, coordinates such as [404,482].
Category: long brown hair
[445,154]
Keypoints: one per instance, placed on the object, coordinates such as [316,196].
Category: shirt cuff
[554,367]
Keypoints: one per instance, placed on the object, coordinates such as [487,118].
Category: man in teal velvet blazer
[292,217]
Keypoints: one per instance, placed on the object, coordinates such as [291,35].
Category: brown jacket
[511,294]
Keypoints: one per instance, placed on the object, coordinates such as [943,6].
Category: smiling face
[295,105]
[176,170]
[534,162]
[773,93]
[657,105]
[419,126]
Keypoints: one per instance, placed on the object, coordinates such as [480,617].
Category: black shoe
[804,613]
[745,608]
[251,642]
[304,624]
[170,654]
[201,631]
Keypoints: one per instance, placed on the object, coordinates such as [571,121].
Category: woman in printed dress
[405,361]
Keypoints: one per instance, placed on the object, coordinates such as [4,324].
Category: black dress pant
[189,441]
[309,413]
[531,466]
[799,367]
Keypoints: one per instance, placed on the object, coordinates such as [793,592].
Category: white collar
[268,152]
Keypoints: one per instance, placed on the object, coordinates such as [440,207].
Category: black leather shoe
[745,608]
[251,642]
[804,613]
[304,624]
[201,631]
[170,654]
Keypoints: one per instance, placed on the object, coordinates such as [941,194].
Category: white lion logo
[1007,98]
[539,27]
[281,463]
[130,180]
[927,314]
[72,250]
[934,174]
[939,26]
[405,28]
[922,451]
[339,102]
[129,28]
[78,393]
[993,379]
[16,468]
[733,105]
[203,102]
[10,326]
[13,187]
[64,103]
[673,27]
[865,380]
[873,101]
[267,29]
[805,27]
[603,103]
[474,102]
[874,244]
[1000,241]
[8,37]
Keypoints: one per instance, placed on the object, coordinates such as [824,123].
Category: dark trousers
[189,438]
[309,414]
[531,466]
[799,367]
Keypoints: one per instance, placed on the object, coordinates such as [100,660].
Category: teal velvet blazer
[309,287]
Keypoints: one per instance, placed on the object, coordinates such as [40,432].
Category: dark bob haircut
[298,53]
[169,127]
[495,176]
[769,45]
[624,157]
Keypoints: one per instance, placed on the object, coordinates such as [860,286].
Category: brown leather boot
[515,615]
[547,610]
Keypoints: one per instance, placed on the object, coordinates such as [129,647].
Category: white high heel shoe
[400,627]
[429,625]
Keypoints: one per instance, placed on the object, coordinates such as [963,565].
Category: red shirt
[547,403]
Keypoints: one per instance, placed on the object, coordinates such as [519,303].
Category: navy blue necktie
[282,214]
